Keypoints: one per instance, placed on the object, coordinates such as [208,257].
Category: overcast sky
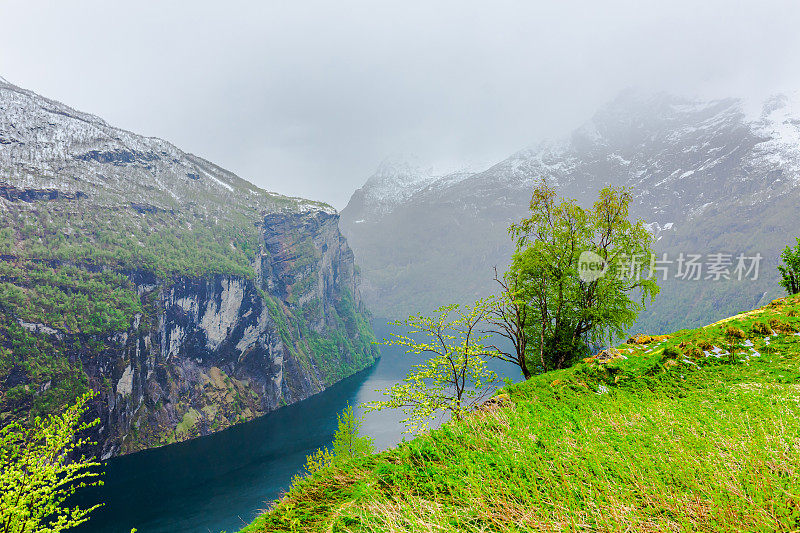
[306,98]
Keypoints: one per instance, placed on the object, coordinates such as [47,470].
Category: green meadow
[695,431]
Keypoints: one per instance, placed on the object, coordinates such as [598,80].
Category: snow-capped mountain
[395,182]
[185,297]
[708,176]
[47,145]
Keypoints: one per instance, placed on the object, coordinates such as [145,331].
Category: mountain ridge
[184,297]
[690,163]
[94,140]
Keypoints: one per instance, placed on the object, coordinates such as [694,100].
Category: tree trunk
[525,372]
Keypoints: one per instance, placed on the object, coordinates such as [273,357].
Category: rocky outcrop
[227,349]
[207,352]
[17,194]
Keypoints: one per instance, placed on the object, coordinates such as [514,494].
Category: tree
[348,443]
[510,318]
[577,269]
[790,269]
[38,472]
[455,378]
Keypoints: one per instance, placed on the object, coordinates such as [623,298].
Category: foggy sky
[306,98]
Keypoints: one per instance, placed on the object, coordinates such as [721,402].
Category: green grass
[664,437]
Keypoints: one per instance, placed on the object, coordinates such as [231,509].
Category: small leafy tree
[790,269]
[39,472]
[348,443]
[455,378]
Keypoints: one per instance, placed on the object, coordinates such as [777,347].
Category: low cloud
[306,98]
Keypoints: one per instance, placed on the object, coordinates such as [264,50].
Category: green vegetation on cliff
[344,350]
[143,273]
[64,271]
[68,270]
[697,431]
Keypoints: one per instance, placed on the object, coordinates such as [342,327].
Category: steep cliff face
[226,349]
[186,298]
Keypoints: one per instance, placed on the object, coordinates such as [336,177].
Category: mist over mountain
[718,176]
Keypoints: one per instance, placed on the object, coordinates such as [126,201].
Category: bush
[781,326]
[38,474]
[692,352]
[759,328]
[348,443]
[790,269]
[732,332]
[670,352]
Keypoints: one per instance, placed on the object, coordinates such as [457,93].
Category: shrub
[671,352]
[348,443]
[790,269]
[692,352]
[38,475]
[760,328]
[781,326]
[733,332]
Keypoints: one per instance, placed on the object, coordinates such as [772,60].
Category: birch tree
[571,312]
[455,377]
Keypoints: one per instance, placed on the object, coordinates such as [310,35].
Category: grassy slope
[675,441]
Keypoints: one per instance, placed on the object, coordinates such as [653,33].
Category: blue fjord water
[220,482]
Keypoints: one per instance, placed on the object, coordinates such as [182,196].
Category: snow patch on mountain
[780,126]
[216,180]
[397,179]
[700,172]
[45,144]
[657,230]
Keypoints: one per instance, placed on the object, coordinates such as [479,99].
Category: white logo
[591,267]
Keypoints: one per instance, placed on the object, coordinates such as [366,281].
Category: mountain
[709,177]
[184,297]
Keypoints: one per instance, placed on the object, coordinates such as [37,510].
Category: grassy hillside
[699,431]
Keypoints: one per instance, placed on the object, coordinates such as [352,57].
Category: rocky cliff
[225,349]
[186,298]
